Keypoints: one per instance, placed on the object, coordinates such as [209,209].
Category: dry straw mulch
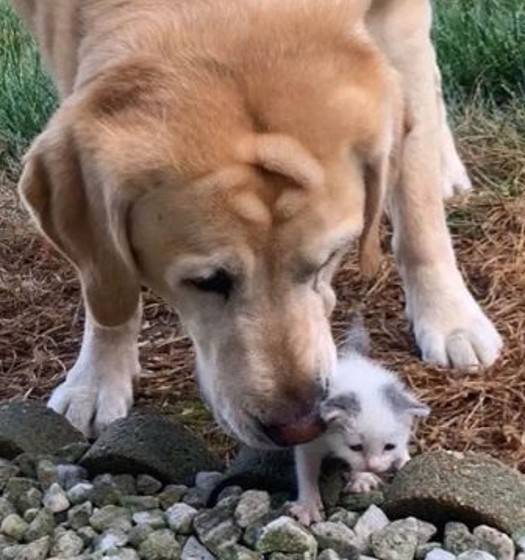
[41,314]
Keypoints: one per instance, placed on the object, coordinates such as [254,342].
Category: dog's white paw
[455,179]
[450,328]
[91,403]
[363,482]
[306,512]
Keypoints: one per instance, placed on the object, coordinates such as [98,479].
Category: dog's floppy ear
[79,208]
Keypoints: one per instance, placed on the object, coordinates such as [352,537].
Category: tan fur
[259,132]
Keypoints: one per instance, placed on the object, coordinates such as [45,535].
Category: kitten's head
[372,421]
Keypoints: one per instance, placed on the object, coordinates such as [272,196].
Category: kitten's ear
[344,407]
[404,401]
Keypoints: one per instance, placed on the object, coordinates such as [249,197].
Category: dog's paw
[91,404]
[456,180]
[306,512]
[451,330]
[363,482]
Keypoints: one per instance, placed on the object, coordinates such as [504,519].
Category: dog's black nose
[300,431]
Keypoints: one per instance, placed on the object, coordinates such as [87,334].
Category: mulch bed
[41,315]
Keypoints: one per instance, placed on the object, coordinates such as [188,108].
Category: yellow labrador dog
[225,153]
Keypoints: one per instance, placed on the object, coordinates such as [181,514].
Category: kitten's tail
[357,338]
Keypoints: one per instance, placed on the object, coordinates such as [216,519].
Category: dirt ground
[41,319]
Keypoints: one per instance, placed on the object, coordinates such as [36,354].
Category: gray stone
[36,550]
[342,515]
[195,497]
[87,534]
[338,537]
[30,500]
[476,555]
[105,491]
[78,516]
[7,470]
[160,545]
[152,444]
[123,554]
[238,552]
[473,488]
[18,435]
[459,539]
[126,483]
[207,480]
[55,499]
[110,540]
[72,452]
[517,536]
[17,487]
[425,531]
[328,554]
[423,549]
[361,502]
[497,543]
[228,492]
[172,494]
[290,556]
[138,534]
[370,522]
[30,514]
[111,517]
[47,473]
[397,541]
[148,485]
[14,526]
[252,506]
[6,508]
[286,535]
[439,554]
[193,550]
[180,518]
[81,492]
[154,518]
[140,503]
[216,528]
[41,526]
[520,556]
[68,545]
[70,475]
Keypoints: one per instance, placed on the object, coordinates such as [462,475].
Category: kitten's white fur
[367,406]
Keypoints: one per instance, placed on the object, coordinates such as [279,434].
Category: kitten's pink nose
[375,465]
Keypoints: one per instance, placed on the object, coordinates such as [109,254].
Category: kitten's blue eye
[390,447]
[356,448]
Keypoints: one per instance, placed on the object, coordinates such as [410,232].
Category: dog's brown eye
[220,283]
[356,448]
[390,447]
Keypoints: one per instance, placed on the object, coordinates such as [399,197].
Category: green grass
[481,45]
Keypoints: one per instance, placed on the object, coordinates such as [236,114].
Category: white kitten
[369,414]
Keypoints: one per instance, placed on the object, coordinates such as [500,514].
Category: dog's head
[239,227]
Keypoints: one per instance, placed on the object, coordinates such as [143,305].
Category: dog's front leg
[307,508]
[99,387]
[450,327]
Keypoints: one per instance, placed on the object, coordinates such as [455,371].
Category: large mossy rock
[473,488]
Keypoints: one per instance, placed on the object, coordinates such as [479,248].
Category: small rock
[520,556]
[370,522]
[18,435]
[216,528]
[207,480]
[105,491]
[439,554]
[81,492]
[193,550]
[14,526]
[228,492]
[497,543]
[47,473]
[160,545]
[110,539]
[328,554]
[154,518]
[30,500]
[459,539]
[361,502]
[123,554]
[195,497]
[70,475]
[172,494]
[68,545]
[27,463]
[153,444]
[180,518]
[140,503]
[78,516]
[41,526]
[16,487]
[36,550]
[349,518]
[282,556]
[397,541]
[286,535]
[138,534]
[126,484]
[72,453]
[7,470]
[338,537]
[55,499]
[30,514]
[111,517]
[238,552]
[423,549]
[6,508]
[475,555]
[425,531]
[148,485]
[87,534]
[252,505]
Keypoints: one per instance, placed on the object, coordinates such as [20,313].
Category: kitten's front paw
[306,512]
[363,482]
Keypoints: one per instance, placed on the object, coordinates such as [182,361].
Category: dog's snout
[297,432]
